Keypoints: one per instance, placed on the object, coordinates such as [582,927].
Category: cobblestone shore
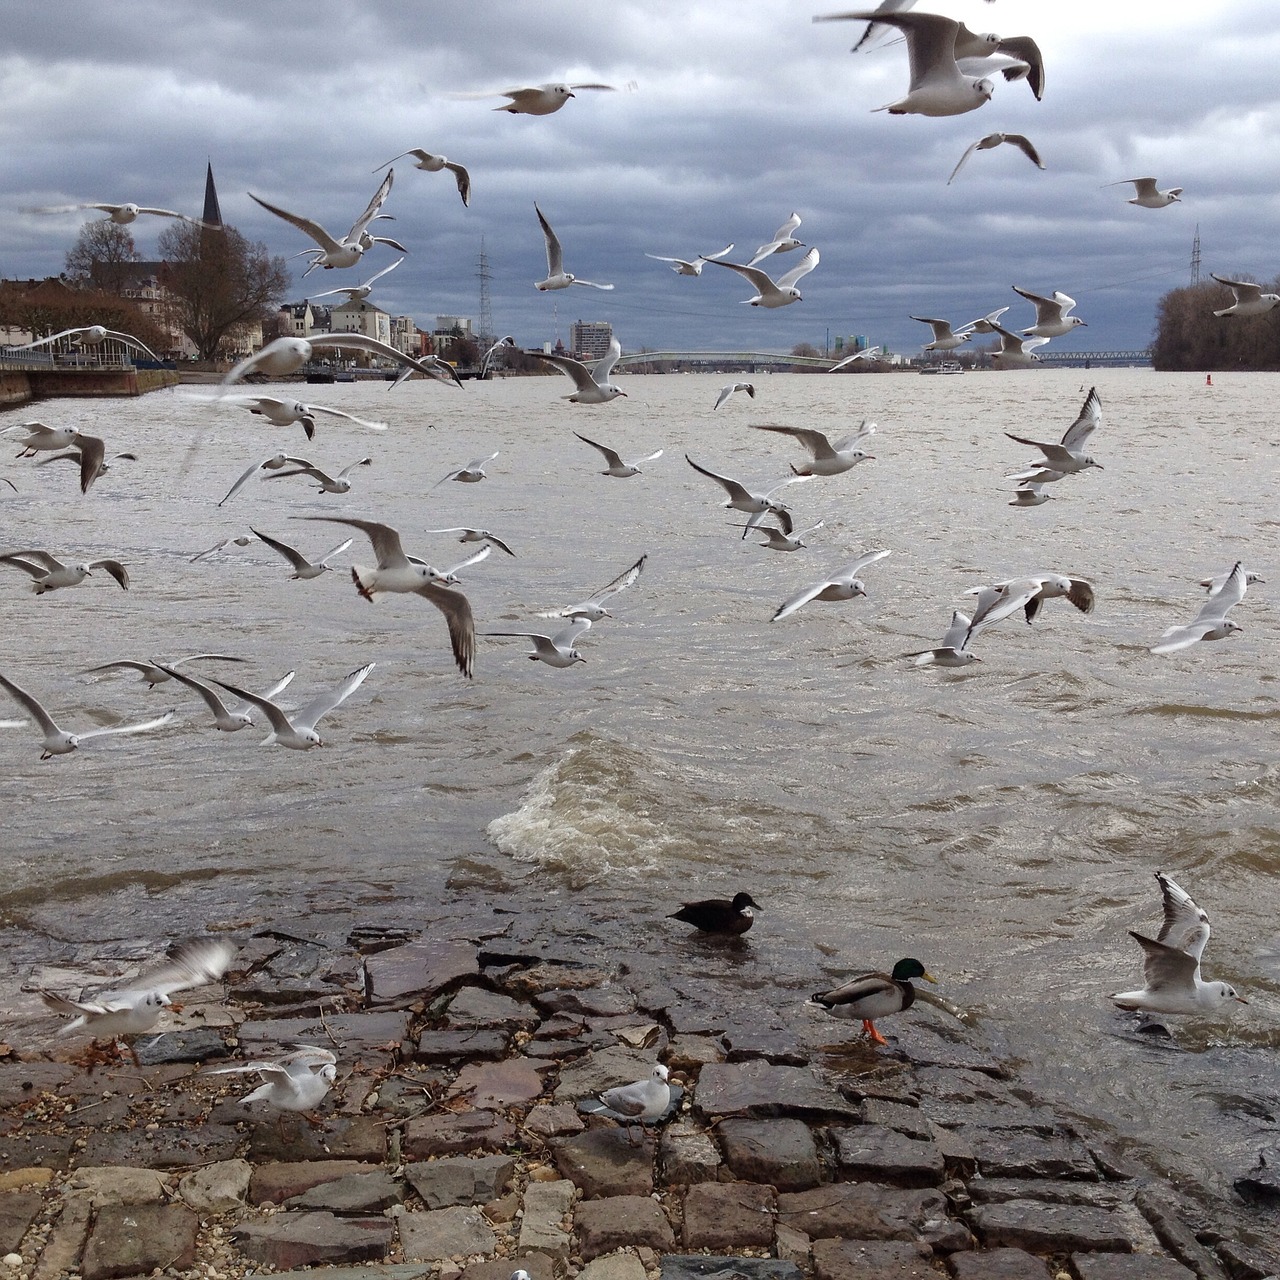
[453,1143]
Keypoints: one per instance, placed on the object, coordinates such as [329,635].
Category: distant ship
[945,366]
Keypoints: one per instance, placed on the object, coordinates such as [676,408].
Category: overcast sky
[741,113]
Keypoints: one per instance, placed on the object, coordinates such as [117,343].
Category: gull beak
[1241,1000]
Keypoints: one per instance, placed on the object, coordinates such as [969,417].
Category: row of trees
[1190,337]
[220,281]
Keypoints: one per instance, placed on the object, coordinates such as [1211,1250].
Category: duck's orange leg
[870,1028]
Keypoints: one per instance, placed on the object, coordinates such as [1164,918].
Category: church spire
[212,214]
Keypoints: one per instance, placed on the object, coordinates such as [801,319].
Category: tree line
[1190,337]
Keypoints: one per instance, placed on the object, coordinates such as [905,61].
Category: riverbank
[23,386]
[453,1143]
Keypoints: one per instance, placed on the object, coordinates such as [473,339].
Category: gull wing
[761,280]
[210,696]
[1164,966]
[194,965]
[1055,454]
[564,640]
[291,554]
[1185,926]
[1087,423]
[817,443]
[270,462]
[802,268]
[375,204]
[126,728]
[385,539]
[800,599]
[322,704]
[52,563]
[1231,593]
[957,633]
[999,602]
[612,458]
[980,144]
[737,492]
[33,708]
[625,579]
[438,369]
[350,417]
[460,620]
[307,226]
[555,255]
[116,570]
[463,179]
[578,371]
[1025,49]
[604,367]
[276,718]
[413,151]
[1245,290]
[1176,638]
[482,554]
[35,570]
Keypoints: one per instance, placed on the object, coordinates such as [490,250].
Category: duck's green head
[907,969]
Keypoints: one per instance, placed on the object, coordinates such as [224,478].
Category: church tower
[212,214]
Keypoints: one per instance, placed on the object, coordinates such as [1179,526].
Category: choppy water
[1001,822]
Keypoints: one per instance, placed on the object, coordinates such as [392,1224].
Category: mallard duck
[874,995]
[719,915]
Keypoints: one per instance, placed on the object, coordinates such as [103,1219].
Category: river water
[1002,822]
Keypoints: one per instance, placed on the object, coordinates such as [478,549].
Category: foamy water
[1002,822]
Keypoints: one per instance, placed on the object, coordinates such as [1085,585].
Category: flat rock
[602,1162]
[479,1007]
[549,976]
[453,1044]
[1128,1266]
[891,1114]
[538,1265]
[728,1215]
[1102,1195]
[18,1210]
[442,1233]
[135,1239]
[617,1221]
[762,1089]
[687,1155]
[19,1179]
[780,1153]
[542,1233]
[278,1182]
[871,1260]
[382,1271]
[22,1082]
[999,1264]
[603,1069]
[773,1044]
[341,1137]
[418,971]
[217,1188]
[872,1153]
[691,1053]
[289,1240]
[1050,1228]
[466,1181]
[1009,1113]
[621,1266]
[554,1121]
[29,1150]
[355,1193]
[119,1185]
[450,1135]
[169,1147]
[699,1266]
[1014,1154]
[202,1044]
[861,1211]
[495,1086]
[603,1001]
[360,1035]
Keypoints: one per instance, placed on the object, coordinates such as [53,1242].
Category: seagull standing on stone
[843,585]
[641,1102]
[351,248]
[1171,962]
[434,164]
[1148,195]
[58,742]
[1052,318]
[770,293]
[557,276]
[937,87]
[593,385]
[617,467]
[827,459]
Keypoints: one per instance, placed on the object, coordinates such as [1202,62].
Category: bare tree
[222,281]
[102,256]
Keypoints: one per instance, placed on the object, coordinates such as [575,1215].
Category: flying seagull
[771,293]
[284,356]
[685,267]
[433,164]
[1148,195]
[992,140]
[298,732]
[48,573]
[91,454]
[593,385]
[557,276]
[827,459]
[617,468]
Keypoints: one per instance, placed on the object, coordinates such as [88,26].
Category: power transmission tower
[1195,258]
[486,308]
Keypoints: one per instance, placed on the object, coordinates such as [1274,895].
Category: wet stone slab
[445,1233]
[1127,1266]
[871,1260]
[621,1221]
[699,1266]
[475,1007]
[1014,1154]
[999,1264]
[418,971]
[861,1211]
[728,1215]
[780,1153]
[448,1135]
[355,1194]
[1050,1228]
[603,1162]
[761,1089]
[290,1240]
[465,1181]
[454,1044]
[875,1154]
[129,1240]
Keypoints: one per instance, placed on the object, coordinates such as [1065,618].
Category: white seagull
[557,276]
[472,473]
[1171,962]
[475,535]
[1250,300]
[327,483]
[90,336]
[223,718]
[351,248]
[298,1081]
[91,455]
[540,99]
[396,572]
[944,338]
[783,241]
[284,356]
[730,387]
[486,360]
[1043,586]
[284,413]
[1032,494]
[755,505]
[617,468]
[770,293]
[1215,583]
[131,1010]
[992,140]
[683,267]
[40,437]
[1068,457]
[123,214]
[937,87]
[827,459]
[298,732]
[843,585]
[997,602]
[641,1102]
[48,573]
[154,672]
[1211,623]
[592,608]
[1052,318]
[557,650]
[434,164]
[1015,352]
[303,568]
[985,324]
[58,742]
[953,650]
[359,292]
[867,353]
[1148,195]
[593,385]
[273,462]
[781,540]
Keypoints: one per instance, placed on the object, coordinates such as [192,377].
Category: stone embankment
[453,1143]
